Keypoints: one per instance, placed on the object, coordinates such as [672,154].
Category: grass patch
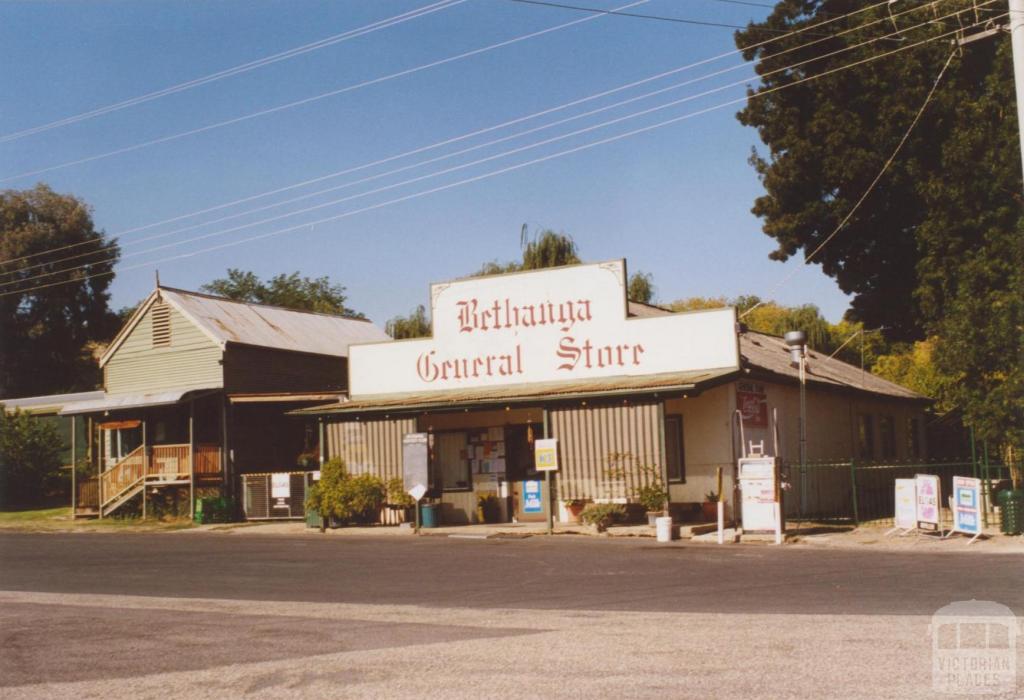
[59,519]
[20,516]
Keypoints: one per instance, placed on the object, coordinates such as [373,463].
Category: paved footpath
[208,615]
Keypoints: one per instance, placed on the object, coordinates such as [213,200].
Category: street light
[797,342]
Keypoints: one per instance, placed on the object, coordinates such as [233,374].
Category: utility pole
[1017,44]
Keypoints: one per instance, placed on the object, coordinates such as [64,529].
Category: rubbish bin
[312,518]
[1011,502]
[429,515]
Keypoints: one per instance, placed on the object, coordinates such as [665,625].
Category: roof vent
[161,316]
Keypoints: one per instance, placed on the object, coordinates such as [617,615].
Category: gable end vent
[161,325]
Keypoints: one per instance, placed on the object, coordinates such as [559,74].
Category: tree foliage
[546,249]
[46,335]
[641,287]
[415,325]
[289,291]
[347,497]
[914,367]
[934,251]
[828,138]
[30,458]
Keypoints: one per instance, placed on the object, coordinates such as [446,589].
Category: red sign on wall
[752,402]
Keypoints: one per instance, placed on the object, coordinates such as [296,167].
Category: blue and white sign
[966,506]
[531,497]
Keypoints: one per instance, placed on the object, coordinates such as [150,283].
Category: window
[914,437]
[865,437]
[161,318]
[674,451]
[452,464]
[887,436]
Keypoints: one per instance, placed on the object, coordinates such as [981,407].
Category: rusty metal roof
[524,393]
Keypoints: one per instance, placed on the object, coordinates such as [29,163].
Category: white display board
[415,464]
[905,515]
[758,477]
[929,500]
[280,486]
[560,324]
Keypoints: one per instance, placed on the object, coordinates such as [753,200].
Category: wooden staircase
[123,481]
[163,465]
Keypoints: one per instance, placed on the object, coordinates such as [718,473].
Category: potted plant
[399,500]
[488,510]
[653,497]
[601,516]
[574,506]
[709,508]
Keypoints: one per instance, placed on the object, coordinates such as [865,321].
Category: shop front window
[452,461]
[674,452]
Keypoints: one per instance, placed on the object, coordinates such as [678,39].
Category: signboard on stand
[928,503]
[905,515]
[545,455]
[966,506]
[415,460]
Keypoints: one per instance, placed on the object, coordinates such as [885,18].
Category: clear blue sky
[675,202]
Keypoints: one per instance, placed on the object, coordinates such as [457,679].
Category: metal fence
[853,491]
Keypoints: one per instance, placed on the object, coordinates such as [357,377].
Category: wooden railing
[123,474]
[87,493]
[168,462]
[207,460]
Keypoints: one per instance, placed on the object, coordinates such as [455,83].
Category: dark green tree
[415,325]
[30,452]
[828,138]
[47,334]
[290,291]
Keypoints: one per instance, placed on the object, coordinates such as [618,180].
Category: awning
[286,397]
[120,402]
[539,393]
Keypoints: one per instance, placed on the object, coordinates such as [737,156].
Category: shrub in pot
[709,508]
[602,515]
[574,506]
[653,497]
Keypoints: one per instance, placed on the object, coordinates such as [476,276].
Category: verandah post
[853,491]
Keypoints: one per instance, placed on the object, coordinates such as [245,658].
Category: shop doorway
[528,498]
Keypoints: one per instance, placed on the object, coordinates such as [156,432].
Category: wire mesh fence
[852,491]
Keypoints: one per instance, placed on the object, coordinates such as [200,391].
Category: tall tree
[641,287]
[415,325]
[935,248]
[290,291]
[828,138]
[46,334]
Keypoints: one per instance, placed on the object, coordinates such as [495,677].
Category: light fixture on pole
[797,343]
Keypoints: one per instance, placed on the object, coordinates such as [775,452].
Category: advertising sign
[966,505]
[545,455]
[759,488]
[928,502]
[562,324]
[280,486]
[531,497]
[906,504]
[415,460]
[752,402]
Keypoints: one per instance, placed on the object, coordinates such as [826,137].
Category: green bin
[312,518]
[429,515]
[1011,502]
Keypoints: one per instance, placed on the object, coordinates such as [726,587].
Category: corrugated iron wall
[603,450]
[371,447]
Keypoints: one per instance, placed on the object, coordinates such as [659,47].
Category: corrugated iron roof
[49,404]
[770,353]
[679,381]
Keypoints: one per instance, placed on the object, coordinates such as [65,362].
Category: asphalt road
[218,615]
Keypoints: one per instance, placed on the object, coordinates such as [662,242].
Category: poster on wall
[531,497]
[280,486]
[966,506]
[928,502]
[752,402]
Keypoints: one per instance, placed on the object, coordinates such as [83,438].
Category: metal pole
[547,483]
[853,490]
[74,467]
[191,459]
[1017,45]
[803,431]
[145,468]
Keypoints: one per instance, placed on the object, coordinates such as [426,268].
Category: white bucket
[663,526]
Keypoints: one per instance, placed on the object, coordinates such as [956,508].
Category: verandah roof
[122,401]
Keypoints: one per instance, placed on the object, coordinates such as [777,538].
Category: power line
[498,126]
[237,70]
[463,151]
[502,170]
[871,187]
[308,100]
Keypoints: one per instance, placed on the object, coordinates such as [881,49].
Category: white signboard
[759,491]
[562,324]
[415,459]
[545,455]
[929,512]
[905,515]
[966,505]
[280,486]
